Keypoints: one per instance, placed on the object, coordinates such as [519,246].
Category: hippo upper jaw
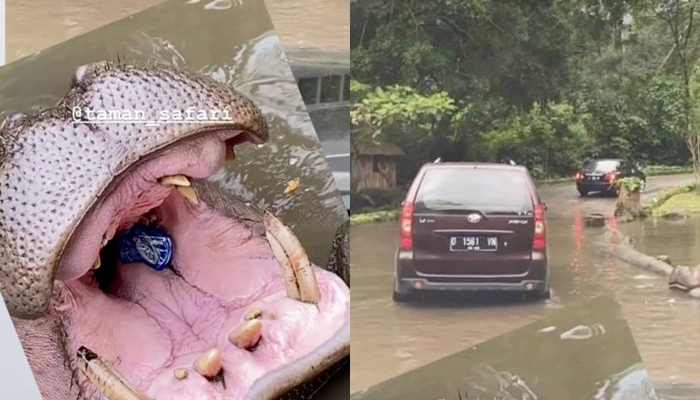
[55,166]
[239,313]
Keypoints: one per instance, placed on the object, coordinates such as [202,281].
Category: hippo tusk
[105,378]
[299,274]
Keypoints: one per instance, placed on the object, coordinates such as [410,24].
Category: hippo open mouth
[237,311]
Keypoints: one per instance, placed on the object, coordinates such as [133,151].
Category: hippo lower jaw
[242,314]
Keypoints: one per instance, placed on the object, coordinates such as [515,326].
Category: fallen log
[626,253]
[683,278]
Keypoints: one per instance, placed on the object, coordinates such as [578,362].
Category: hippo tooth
[97,264]
[247,334]
[180,373]
[253,313]
[16,116]
[188,193]
[208,364]
[79,76]
[105,378]
[230,153]
[175,180]
[291,255]
[290,279]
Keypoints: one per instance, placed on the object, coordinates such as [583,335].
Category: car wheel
[583,193]
[402,297]
[542,294]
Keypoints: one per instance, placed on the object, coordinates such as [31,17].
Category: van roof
[474,165]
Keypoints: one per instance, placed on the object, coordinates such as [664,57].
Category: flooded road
[389,339]
[36,25]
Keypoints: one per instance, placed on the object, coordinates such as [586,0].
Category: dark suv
[472,227]
[601,175]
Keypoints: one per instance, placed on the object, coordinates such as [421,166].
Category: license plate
[593,178]
[474,243]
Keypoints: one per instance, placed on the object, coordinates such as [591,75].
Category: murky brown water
[389,339]
[535,362]
[38,24]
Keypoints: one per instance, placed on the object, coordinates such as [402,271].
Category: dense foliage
[546,83]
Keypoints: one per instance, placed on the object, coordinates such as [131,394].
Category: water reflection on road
[388,339]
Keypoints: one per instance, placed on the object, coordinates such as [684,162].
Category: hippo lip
[240,313]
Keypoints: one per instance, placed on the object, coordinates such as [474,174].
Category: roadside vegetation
[547,84]
[375,216]
[681,200]
[683,204]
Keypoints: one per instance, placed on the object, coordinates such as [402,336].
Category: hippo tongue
[153,325]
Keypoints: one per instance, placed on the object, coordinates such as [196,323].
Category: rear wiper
[447,208]
[479,211]
[509,212]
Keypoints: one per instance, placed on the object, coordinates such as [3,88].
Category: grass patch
[687,202]
[654,170]
[375,216]
[674,199]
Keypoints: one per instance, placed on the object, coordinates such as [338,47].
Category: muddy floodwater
[35,25]
[389,339]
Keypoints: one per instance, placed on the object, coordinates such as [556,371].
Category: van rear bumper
[408,280]
[408,284]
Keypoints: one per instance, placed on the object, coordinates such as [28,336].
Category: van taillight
[406,240]
[539,241]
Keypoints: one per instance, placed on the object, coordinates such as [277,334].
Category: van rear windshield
[473,189]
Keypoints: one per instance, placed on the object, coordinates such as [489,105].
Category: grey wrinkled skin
[228,205]
[52,170]
[339,262]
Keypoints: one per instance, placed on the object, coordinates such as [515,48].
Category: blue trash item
[148,245]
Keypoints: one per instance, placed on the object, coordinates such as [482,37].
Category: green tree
[546,83]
